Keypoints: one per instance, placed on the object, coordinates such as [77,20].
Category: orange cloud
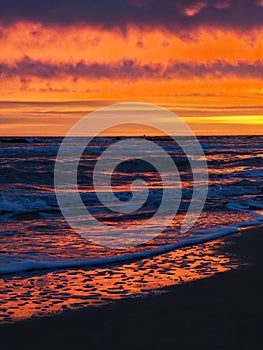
[71,45]
[198,74]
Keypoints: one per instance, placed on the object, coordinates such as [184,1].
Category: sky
[61,59]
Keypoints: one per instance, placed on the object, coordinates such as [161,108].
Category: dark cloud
[131,70]
[169,14]
[165,43]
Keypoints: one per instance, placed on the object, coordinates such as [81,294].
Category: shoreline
[127,258]
[224,311]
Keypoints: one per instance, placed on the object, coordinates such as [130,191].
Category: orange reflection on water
[52,292]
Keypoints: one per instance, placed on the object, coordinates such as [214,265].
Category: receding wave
[201,237]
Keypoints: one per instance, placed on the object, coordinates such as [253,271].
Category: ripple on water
[32,295]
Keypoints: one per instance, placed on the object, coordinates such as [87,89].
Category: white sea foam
[197,237]
[21,203]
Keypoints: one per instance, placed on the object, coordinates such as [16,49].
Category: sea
[46,267]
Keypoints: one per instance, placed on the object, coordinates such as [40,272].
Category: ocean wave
[197,237]
[225,191]
[25,203]
[20,140]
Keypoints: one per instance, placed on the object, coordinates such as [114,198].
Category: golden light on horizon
[196,76]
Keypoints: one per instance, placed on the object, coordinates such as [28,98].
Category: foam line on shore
[203,236]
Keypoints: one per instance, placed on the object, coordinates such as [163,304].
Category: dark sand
[221,312]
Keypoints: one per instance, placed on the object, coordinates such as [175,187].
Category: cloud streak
[168,14]
[131,69]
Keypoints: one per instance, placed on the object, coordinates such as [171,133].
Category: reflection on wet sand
[51,292]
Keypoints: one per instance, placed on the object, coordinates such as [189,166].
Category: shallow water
[31,295]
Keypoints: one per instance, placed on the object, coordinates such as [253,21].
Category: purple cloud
[131,69]
[173,15]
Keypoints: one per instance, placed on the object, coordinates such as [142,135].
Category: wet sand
[224,311]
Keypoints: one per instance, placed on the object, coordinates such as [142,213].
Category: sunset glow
[55,70]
